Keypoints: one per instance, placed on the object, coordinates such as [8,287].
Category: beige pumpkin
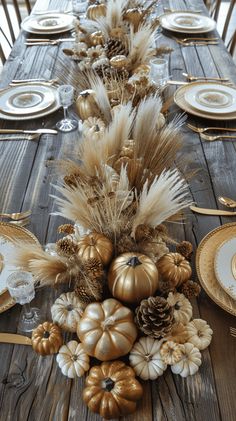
[146,360]
[199,333]
[96,10]
[183,310]
[93,128]
[119,61]
[173,267]
[95,245]
[97,38]
[134,17]
[73,360]
[86,105]
[132,277]
[190,361]
[67,311]
[107,330]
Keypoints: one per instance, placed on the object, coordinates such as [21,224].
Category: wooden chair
[9,35]
[228,19]
[213,7]
[232,44]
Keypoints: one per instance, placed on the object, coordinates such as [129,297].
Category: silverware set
[192,78]
[19,134]
[46,41]
[17,218]
[191,41]
[213,137]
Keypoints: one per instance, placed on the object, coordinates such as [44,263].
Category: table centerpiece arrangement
[127,300]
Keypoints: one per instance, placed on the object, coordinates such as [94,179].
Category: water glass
[66,98]
[20,285]
[159,72]
[79,6]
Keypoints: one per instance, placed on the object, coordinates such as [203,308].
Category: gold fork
[232,331]
[205,129]
[192,43]
[192,78]
[196,39]
[16,216]
[20,222]
[211,138]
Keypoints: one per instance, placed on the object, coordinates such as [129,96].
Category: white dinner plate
[26,99]
[179,99]
[39,110]
[48,23]
[225,266]
[214,98]
[176,22]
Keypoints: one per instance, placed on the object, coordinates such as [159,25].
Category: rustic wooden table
[31,387]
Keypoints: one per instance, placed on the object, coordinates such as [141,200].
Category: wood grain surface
[32,388]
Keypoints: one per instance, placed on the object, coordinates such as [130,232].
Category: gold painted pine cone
[154,317]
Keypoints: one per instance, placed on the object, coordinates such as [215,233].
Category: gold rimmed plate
[205,261]
[187,22]
[52,23]
[8,234]
[180,99]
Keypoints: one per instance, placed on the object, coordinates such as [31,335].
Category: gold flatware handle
[205,211]
[13,338]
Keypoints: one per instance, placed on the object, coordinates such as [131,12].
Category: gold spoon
[230,203]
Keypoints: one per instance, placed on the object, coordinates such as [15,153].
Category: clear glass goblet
[20,285]
[79,8]
[66,98]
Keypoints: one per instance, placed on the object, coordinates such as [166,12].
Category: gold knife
[205,211]
[13,338]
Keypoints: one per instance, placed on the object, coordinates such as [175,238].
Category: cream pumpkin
[73,360]
[199,333]
[190,361]
[146,360]
[182,307]
[107,330]
[67,311]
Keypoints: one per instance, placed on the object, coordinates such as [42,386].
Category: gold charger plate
[179,99]
[12,232]
[205,258]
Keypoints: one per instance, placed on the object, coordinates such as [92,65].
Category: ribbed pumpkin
[173,267]
[86,105]
[46,339]
[96,10]
[134,17]
[132,277]
[95,245]
[107,330]
[111,390]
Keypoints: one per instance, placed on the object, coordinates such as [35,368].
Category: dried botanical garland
[114,256]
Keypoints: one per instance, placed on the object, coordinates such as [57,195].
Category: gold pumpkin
[111,390]
[86,104]
[95,245]
[134,17]
[119,62]
[96,10]
[97,38]
[107,330]
[46,339]
[173,267]
[132,277]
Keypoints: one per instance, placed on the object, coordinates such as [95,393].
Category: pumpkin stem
[46,334]
[70,307]
[134,261]
[97,129]
[108,384]
[110,321]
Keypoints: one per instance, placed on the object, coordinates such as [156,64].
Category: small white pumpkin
[67,311]
[73,360]
[146,360]
[190,361]
[183,310]
[199,333]
[171,352]
[93,128]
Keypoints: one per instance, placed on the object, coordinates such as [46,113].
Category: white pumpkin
[146,360]
[67,311]
[183,310]
[93,128]
[190,361]
[73,360]
[171,352]
[199,333]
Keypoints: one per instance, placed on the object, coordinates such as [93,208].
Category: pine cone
[114,47]
[125,244]
[166,286]
[161,230]
[66,228]
[93,268]
[190,289]
[85,294]
[143,232]
[66,247]
[71,180]
[154,317]
[185,248]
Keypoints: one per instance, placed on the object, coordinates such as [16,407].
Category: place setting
[48,23]
[187,22]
